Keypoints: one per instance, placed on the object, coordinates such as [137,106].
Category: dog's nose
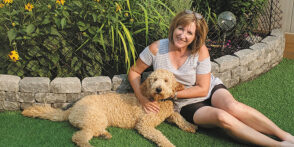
[158,89]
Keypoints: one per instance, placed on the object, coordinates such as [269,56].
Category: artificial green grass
[271,93]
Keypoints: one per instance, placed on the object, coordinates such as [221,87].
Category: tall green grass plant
[80,37]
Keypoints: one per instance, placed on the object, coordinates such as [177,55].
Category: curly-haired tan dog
[94,113]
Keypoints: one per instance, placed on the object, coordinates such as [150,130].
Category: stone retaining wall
[244,65]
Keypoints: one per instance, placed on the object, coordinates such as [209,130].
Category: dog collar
[170,98]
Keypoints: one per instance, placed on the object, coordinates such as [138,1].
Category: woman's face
[184,35]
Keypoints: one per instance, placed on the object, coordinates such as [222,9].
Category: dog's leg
[182,123]
[146,127]
[154,135]
[92,121]
[82,137]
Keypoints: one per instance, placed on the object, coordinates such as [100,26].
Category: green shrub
[80,37]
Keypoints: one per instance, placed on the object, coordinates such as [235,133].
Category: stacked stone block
[249,63]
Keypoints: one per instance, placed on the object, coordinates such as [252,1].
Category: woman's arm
[202,80]
[135,78]
[199,90]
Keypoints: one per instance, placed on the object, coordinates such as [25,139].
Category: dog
[94,113]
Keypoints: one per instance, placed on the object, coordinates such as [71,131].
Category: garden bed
[243,65]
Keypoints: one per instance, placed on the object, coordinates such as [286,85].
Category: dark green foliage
[80,38]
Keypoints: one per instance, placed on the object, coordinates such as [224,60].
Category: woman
[205,101]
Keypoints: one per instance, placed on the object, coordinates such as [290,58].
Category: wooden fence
[287,6]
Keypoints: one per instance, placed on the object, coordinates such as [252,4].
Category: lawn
[271,93]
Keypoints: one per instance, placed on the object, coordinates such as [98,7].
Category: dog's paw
[86,145]
[190,128]
[106,135]
[166,144]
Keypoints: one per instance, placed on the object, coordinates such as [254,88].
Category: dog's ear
[179,87]
[144,87]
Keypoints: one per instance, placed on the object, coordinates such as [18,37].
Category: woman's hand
[148,106]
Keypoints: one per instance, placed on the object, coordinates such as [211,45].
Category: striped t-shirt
[185,74]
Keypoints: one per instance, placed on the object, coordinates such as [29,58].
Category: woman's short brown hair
[185,19]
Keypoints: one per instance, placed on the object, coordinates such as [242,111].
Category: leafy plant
[79,37]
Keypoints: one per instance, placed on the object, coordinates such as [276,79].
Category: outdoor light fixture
[226,21]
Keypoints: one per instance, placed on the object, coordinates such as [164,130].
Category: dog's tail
[47,112]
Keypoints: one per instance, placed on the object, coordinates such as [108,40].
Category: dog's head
[160,84]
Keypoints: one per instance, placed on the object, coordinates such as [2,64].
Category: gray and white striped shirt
[186,74]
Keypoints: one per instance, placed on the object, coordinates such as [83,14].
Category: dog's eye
[155,79]
[166,80]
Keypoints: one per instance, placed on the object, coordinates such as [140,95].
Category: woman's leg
[223,99]
[208,116]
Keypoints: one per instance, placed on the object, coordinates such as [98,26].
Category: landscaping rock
[227,62]
[260,48]
[60,105]
[71,97]
[121,84]
[9,83]
[246,56]
[12,97]
[50,98]
[66,85]
[10,105]
[214,67]
[34,84]
[239,71]
[277,33]
[94,84]
[27,97]
[2,95]
[25,105]
[273,42]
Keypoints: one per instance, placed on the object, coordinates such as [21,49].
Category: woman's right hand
[148,106]
[134,79]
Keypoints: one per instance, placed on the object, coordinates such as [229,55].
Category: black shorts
[188,111]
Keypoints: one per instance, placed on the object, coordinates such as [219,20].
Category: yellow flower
[29,7]
[131,20]
[118,8]
[49,6]
[97,1]
[13,24]
[60,2]
[126,14]
[8,1]
[13,55]
[1,5]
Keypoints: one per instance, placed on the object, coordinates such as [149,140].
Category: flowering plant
[78,37]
